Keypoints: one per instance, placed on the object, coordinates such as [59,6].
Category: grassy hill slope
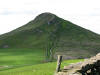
[68,39]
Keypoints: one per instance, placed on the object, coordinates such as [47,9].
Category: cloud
[15,13]
[95,12]
[8,12]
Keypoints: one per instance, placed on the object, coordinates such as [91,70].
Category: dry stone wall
[87,67]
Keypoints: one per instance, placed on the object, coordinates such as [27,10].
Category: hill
[53,34]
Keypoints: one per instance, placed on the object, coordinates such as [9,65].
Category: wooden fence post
[59,63]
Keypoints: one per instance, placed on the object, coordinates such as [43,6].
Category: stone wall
[87,67]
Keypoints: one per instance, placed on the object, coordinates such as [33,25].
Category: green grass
[40,69]
[27,62]
[19,57]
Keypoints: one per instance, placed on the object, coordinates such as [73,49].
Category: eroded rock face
[88,67]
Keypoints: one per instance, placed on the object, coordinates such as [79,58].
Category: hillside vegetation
[49,32]
[25,50]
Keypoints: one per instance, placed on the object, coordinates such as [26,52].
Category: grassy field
[26,62]
[40,69]
[19,57]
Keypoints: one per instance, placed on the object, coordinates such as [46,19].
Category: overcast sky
[15,13]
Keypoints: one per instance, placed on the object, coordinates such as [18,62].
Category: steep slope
[49,31]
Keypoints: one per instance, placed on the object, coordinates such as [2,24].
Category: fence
[87,67]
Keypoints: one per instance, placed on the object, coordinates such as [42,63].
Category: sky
[15,13]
